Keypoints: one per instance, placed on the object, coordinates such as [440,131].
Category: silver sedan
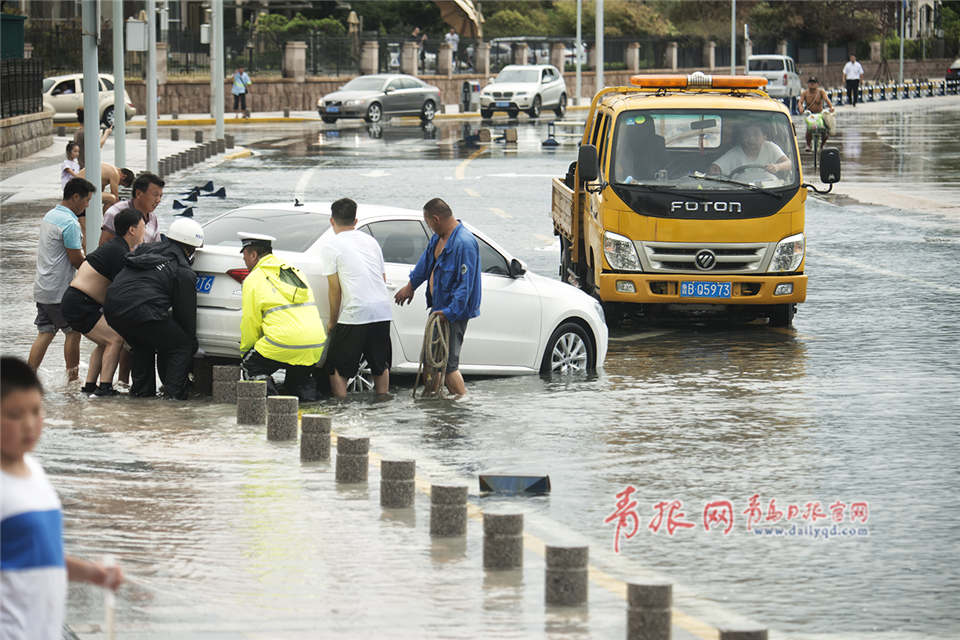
[376,96]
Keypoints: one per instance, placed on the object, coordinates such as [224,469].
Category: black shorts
[80,310]
[457,329]
[50,319]
[349,342]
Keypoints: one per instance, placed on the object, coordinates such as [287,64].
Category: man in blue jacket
[451,267]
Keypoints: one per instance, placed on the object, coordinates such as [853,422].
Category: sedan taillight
[238,274]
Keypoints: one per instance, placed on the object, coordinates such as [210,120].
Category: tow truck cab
[687,195]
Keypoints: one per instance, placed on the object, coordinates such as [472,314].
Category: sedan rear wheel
[569,350]
[374,113]
[429,111]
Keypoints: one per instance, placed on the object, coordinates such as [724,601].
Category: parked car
[376,96]
[953,73]
[783,77]
[527,323]
[64,94]
[529,88]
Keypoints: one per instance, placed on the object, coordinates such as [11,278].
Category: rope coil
[433,356]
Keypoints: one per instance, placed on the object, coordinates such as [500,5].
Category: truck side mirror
[830,165]
[588,163]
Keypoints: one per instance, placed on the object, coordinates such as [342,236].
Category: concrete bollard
[648,611]
[502,540]
[352,459]
[198,136]
[211,146]
[510,136]
[61,131]
[221,145]
[251,401]
[314,437]
[282,417]
[225,380]
[174,116]
[162,167]
[228,140]
[197,154]
[185,160]
[143,133]
[566,575]
[174,134]
[448,511]
[397,485]
[743,634]
[286,113]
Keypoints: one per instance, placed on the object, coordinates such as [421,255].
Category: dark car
[953,73]
[375,96]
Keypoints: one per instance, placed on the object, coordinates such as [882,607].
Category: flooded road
[223,532]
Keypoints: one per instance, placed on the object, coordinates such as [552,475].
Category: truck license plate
[204,284]
[503,104]
[700,289]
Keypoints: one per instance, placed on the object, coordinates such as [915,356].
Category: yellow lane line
[471,192]
[599,577]
[246,153]
[500,212]
[462,167]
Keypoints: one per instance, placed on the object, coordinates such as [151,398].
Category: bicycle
[818,128]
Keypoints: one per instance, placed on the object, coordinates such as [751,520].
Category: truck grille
[680,257]
[503,94]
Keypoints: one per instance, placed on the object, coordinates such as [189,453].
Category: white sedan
[527,324]
[523,87]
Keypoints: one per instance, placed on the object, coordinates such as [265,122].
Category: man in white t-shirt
[852,72]
[754,150]
[360,309]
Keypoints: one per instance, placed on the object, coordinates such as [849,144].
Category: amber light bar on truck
[697,80]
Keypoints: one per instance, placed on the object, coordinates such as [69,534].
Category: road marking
[500,212]
[471,192]
[300,190]
[462,167]
[599,577]
[856,264]
[638,336]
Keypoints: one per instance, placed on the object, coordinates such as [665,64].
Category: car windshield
[518,75]
[293,230]
[363,84]
[770,64]
[47,84]
[691,149]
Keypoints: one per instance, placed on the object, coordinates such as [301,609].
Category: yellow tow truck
[687,196]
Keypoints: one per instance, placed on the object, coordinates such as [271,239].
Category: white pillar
[216,43]
[578,48]
[733,37]
[91,121]
[152,86]
[119,101]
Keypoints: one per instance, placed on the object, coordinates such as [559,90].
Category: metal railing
[21,87]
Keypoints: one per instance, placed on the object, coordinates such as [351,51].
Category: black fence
[21,87]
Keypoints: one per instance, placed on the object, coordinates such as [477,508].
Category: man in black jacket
[152,303]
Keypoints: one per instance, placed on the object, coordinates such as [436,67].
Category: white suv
[783,77]
[525,87]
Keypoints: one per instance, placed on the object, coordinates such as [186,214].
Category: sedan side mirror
[830,165]
[388,90]
[588,163]
[516,268]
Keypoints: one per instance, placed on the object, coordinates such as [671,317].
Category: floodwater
[223,533]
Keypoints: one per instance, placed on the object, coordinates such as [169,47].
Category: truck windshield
[677,148]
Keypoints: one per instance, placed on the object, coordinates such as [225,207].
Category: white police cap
[249,239]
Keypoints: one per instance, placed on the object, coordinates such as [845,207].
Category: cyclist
[814,99]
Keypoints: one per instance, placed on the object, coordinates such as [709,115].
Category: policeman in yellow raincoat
[281,326]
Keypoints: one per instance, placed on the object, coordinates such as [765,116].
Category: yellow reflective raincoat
[280,317]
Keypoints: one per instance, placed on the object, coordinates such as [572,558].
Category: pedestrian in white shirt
[453,39]
[852,72]
[360,309]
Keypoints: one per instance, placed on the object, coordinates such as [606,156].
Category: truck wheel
[782,315]
[569,350]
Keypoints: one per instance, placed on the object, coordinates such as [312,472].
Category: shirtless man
[813,99]
[84,297]
[112,177]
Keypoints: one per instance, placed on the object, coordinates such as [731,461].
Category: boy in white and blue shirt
[33,567]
